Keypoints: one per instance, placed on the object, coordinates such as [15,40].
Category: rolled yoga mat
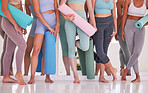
[139,24]
[50,55]
[79,21]
[87,61]
[20,17]
[40,56]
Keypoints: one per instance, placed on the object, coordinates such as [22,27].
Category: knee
[84,47]
[22,46]
[136,55]
[36,51]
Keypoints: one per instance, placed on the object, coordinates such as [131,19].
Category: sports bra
[102,6]
[132,10]
[14,2]
[46,5]
[76,2]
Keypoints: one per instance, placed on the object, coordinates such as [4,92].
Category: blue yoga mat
[39,67]
[50,55]
[139,24]
[20,17]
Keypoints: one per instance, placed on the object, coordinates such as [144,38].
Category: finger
[49,32]
[111,39]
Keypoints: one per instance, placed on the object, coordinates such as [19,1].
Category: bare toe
[103,80]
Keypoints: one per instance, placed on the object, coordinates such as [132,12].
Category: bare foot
[76,81]
[31,81]
[123,78]
[8,79]
[136,80]
[107,71]
[48,80]
[11,72]
[114,75]
[103,80]
[19,78]
[42,74]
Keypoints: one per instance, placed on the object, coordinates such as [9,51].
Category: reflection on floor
[63,84]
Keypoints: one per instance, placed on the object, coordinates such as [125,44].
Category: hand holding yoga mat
[79,21]
[20,17]
[139,24]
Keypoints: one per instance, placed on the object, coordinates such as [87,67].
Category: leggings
[102,38]
[4,36]
[71,30]
[33,28]
[123,52]
[135,40]
[13,40]
[63,38]
[51,20]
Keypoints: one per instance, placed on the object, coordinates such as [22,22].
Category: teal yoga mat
[50,55]
[87,61]
[139,24]
[20,17]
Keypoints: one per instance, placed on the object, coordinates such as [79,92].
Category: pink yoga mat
[79,21]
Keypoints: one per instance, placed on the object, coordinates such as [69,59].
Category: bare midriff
[17,6]
[76,6]
[49,12]
[103,15]
[133,17]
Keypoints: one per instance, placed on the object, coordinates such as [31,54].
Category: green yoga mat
[87,61]
[139,24]
[20,17]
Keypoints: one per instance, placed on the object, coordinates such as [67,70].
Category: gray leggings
[13,40]
[4,36]
[103,37]
[123,52]
[135,40]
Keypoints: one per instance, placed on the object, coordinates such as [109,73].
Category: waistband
[108,19]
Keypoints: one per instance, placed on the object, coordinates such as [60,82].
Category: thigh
[84,38]
[11,32]
[38,40]
[139,40]
[70,30]
[107,36]
[40,28]
[129,37]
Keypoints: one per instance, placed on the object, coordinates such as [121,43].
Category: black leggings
[102,38]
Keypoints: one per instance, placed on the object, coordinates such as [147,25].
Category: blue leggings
[50,19]
[71,29]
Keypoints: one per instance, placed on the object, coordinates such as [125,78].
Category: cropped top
[76,2]
[132,10]
[14,2]
[46,5]
[102,6]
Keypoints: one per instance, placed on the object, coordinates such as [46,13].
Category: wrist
[58,24]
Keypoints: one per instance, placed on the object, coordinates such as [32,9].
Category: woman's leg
[129,37]
[3,52]
[138,46]
[27,58]
[10,47]
[38,39]
[64,45]
[15,40]
[70,29]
